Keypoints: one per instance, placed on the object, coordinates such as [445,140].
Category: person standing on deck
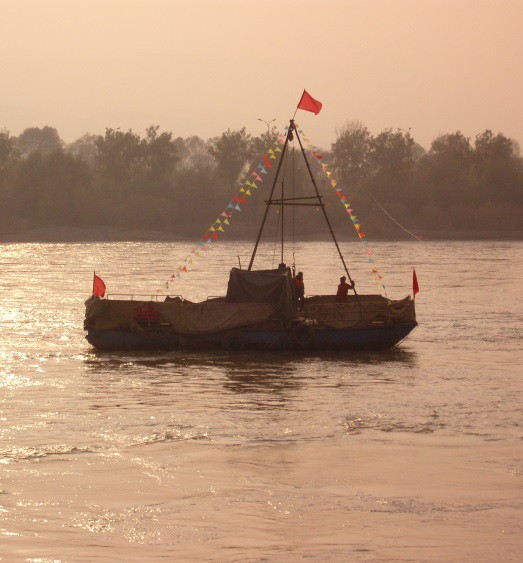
[299,289]
[343,289]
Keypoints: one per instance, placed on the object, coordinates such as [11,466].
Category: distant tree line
[159,182]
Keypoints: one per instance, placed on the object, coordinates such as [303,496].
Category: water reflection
[253,362]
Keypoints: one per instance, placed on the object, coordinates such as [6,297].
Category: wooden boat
[259,310]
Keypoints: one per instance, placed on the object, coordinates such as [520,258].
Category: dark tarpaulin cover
[262,286]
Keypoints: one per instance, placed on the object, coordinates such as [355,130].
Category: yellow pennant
[217,221]
[226,222]
[271,151]
[212,229]
[248,192]
[220,229]
[277,149]
[242,190]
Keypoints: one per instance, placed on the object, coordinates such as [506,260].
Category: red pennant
[308,103]
[214,235]
[98,286]
[415,286]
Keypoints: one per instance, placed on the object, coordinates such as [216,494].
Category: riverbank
[112,234]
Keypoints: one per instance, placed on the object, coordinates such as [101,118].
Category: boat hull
[354,339]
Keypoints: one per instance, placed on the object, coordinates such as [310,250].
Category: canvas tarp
[183,316]
[263,286]
[364,310]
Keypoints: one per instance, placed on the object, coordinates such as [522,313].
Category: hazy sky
[201,66]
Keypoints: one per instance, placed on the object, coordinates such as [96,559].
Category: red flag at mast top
[308,103]
[98,286]
[415,286]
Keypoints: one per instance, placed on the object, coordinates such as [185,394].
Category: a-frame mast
[298,201]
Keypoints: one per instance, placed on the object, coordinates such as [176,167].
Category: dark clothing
[299,291]
[343,290]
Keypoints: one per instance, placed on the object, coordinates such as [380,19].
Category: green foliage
[45,140]
[156,181]
[231,151]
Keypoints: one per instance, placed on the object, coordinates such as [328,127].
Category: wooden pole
[270,198]
[323,209]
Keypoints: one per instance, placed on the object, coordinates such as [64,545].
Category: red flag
[308,103]
[98,286]
[415,286]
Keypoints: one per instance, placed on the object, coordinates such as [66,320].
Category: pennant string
[218,225]
[348,210]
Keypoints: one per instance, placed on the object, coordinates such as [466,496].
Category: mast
[270,198]
[297,201]
[324,212]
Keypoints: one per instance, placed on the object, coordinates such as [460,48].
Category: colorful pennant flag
[350,212]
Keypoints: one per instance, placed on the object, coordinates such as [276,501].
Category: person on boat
[299,289]
[343,289]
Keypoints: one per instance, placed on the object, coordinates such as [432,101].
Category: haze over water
[412,454]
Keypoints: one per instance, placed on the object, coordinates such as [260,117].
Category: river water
[409,454]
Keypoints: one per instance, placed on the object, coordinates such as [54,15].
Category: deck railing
[148,296]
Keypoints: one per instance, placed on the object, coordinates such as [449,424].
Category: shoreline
[111,234]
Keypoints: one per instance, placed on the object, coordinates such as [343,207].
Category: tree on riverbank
[160,182]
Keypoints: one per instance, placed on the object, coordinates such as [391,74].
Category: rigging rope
[391,217]
[293,222]
[279,213]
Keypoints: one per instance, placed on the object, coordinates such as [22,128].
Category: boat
[260,309]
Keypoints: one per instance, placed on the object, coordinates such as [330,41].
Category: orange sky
[201,66]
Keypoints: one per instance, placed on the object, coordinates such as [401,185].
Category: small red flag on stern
[98,286]
[415,286]
[308,103]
